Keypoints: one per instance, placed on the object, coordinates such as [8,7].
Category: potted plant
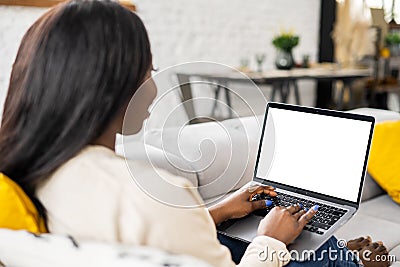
[285,42]
[392,41]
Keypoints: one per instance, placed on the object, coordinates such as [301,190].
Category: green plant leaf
[286,41]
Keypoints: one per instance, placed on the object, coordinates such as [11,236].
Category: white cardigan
[95,197]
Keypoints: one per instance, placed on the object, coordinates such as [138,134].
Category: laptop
[311,156]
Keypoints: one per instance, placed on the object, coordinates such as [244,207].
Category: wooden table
[282,82]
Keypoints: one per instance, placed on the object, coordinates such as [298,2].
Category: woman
[76,70]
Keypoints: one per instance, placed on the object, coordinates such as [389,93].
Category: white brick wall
[226,31]
[223,31]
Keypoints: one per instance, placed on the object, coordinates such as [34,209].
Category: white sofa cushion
[223,156]
[53,250]
[382,207]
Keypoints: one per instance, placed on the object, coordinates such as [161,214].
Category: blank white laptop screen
[319,153]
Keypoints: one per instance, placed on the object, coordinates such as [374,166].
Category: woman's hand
[239,204]
[285,224]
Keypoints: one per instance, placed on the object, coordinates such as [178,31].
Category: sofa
[218,158]
[237,139]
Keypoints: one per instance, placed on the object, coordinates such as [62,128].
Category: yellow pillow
[17,211]
[384,159]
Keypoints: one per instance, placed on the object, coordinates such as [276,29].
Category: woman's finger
[262,190]
[381,248]
[306,217]
[293,209]
[260,204]
[257,193]
[375,245]
[259,188]
[297,215]
[266,192]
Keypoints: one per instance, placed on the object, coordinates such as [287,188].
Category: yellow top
[17,210]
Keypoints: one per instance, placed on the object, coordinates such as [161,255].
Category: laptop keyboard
[323,220]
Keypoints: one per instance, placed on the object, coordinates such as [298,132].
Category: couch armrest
[223,157]
[134,150]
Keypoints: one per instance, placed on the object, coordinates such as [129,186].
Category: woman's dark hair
[76,68]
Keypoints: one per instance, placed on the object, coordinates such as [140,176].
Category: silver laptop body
[311,156]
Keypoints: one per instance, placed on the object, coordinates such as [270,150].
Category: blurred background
[355,34]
